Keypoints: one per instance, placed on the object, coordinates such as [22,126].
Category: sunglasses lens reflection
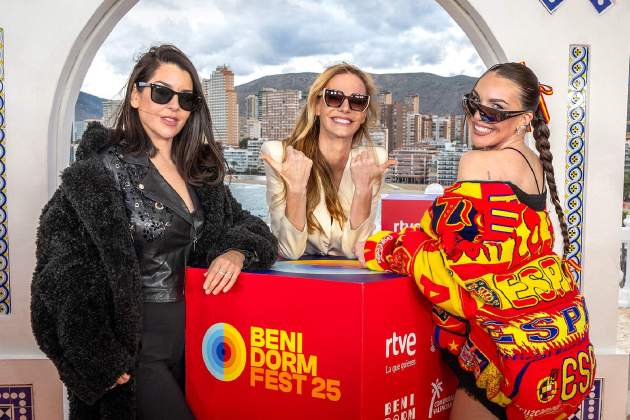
[161,94]
[486,114]
[333,98]
[358,102]
[188,101]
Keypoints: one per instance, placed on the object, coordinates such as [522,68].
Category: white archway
[48,52]
[96,29]
[108,14]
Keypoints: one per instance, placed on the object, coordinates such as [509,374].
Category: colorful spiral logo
[223,350]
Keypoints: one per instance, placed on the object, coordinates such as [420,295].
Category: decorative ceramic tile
[591,408]
[576,150]
[5,291]
[601,5]
[16,402]
[551,5]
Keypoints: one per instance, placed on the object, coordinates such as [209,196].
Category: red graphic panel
[313,339]
[399,211]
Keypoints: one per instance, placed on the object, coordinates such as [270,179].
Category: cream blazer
[335,239]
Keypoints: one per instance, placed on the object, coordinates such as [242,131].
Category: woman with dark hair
[323,185]
[509,316]
[113,242]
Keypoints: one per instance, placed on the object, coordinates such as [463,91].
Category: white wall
[528,32]
[49,47]
[39,38]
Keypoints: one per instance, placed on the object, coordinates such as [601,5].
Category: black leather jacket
[87,281]
[161,226]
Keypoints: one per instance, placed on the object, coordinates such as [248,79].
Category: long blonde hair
[305,138]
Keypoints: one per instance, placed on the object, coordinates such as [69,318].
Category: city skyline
[286,38]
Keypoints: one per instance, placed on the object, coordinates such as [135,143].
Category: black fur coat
[86,304]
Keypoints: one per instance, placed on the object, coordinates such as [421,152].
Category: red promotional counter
[313,339]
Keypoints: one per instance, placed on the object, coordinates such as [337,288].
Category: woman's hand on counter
[223,272]
[358,251]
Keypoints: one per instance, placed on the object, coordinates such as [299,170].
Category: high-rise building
[460,122]
[383,99]
[450,127]
[404,133]
[413,165]
[255,164]
[237,159]
[426,130]
[384,116]
[111,108]
[440,125]
[378,135]
[79,127]
[223,104]
[413,104]
[448,163]
[279,110]
[252,110]
[454,128]
[249,128]
[416,129]
[399,118]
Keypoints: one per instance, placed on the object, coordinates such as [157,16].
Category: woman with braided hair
[509,318]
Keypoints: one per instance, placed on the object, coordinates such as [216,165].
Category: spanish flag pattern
[504,303]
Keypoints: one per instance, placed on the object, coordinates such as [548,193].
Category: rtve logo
[399,344]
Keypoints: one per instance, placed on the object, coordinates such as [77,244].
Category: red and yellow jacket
[504,303]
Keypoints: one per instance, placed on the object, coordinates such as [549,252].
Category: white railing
[624,274]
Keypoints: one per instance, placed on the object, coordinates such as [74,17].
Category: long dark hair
[197,156]
[528,83]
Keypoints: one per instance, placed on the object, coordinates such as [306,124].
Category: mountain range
[438,95]
[88,107]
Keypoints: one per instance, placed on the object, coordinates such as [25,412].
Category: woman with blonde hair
[322,183]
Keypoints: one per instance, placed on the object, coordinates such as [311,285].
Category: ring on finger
[221,272]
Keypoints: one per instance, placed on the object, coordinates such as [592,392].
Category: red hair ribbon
[542,105]
[543,90]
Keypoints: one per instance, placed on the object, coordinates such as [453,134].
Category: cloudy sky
[273,36]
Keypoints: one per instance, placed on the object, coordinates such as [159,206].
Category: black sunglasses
[334,99]
[487,114]
[161,94]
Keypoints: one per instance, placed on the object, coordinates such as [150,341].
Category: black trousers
[160,375]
